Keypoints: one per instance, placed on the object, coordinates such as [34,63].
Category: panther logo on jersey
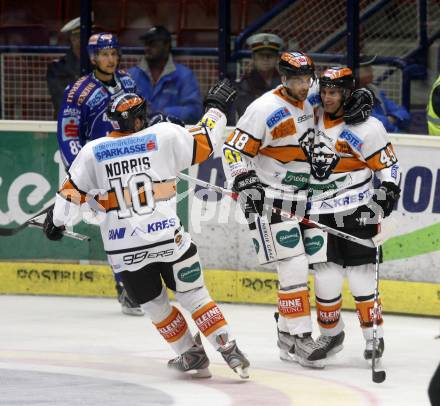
[320,153]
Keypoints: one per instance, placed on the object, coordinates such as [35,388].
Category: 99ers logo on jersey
[70,128]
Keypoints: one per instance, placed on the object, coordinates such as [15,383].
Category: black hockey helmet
[296,63]
[337,77]
[123,111]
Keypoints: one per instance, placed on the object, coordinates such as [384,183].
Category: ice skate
[301,349]
[128,305]
[236,360]
[331,344]
[195,361]
[380,347]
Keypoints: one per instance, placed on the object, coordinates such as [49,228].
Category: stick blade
[8,232]
[379,376]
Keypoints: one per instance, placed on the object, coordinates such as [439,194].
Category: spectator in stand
[433,109]
[264,75]
[65,70]
[169,87]
[394,117]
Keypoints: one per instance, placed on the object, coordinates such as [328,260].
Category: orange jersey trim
[282,94]
[284,154]
[209,318]
[349,164]
[294,304]
[374,161]
[118,134]
[329,123]
[70,192]
[161,191]
[202,148]
[173,327]
[250,147]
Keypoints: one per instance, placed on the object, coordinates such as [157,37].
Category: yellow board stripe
[416,298]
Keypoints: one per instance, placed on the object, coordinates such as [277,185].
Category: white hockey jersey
[133,178]
[266,139]
[343,160]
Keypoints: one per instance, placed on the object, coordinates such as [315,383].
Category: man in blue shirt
[395,118]
[169,87]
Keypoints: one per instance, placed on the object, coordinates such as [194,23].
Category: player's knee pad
[329,278]
[315,245]
[188,273]
[292,272]
[193,299]
[361,279]
[158,308]
[276,241]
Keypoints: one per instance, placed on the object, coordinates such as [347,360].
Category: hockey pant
[328,291]
[185,278]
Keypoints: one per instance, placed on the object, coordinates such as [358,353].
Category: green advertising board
[31,171]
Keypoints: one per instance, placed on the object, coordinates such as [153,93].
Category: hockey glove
[220,96]
[164,118]
[52,232]
[386,197]
[357,107]
[250,191]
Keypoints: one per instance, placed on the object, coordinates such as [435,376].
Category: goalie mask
[124,110]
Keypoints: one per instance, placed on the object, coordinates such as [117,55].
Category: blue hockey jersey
[82,116]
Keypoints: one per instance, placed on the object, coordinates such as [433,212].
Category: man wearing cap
[394,117]
[65,70]
[169,87]
[264,75]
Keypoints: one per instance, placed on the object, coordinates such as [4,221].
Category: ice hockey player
[263,159]
[83,117]
[136,173]
[344,155]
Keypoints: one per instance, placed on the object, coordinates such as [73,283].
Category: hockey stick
[287,215]
[377,376]
[7,232]
[34,222]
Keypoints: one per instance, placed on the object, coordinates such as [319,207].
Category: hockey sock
[329,316]
[294,307]
[211,322]
[174,330]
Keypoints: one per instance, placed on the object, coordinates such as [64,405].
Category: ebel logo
[304,117]
[131,259]
[116,234]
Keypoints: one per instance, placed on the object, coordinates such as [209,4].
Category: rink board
[224,285]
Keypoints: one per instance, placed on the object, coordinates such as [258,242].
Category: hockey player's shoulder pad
[80,90]
[127,81]
[358,106]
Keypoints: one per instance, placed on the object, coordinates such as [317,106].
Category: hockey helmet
[296,63]
[123,111]
[337,77]
[103,40]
